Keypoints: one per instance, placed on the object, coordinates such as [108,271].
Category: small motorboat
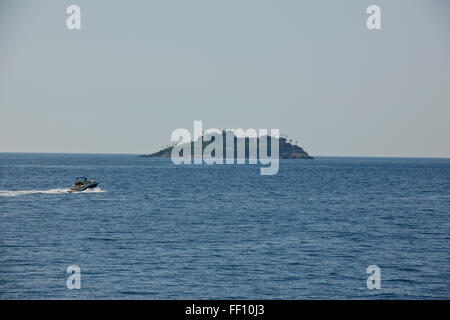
[82,183]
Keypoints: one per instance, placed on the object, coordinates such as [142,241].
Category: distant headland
[287,149]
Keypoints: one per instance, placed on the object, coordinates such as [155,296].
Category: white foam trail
[11,193]
[93,190]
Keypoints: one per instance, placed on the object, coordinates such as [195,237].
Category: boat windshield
[80,180]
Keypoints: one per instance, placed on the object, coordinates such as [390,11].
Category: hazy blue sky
[139,69]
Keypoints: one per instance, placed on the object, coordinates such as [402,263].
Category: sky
[137,70]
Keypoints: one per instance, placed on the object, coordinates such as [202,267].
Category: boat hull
[87,185]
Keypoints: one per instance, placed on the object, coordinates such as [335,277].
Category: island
[287,149]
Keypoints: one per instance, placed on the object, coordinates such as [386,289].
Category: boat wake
[14,193]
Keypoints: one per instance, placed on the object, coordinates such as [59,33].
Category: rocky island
[287,149]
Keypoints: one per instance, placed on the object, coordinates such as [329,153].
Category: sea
[154,230]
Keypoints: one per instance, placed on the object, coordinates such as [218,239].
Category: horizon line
[315,156]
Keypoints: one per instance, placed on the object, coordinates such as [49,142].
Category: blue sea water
[154,230]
